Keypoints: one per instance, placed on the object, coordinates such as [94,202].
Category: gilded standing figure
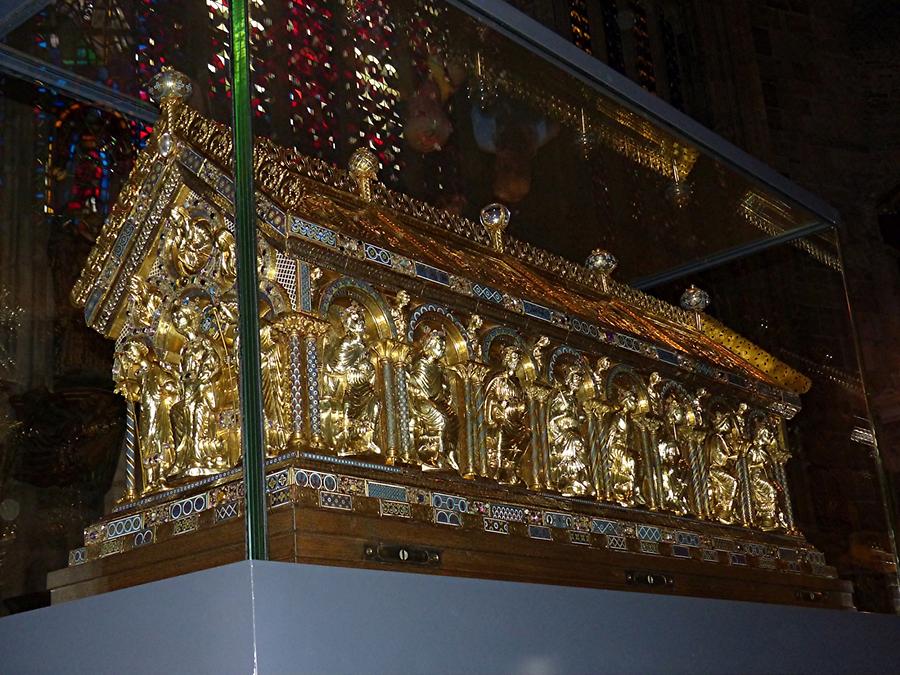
[154,384]
[433,420]
[568,452]
[673,449]
[721,458]
[274,380]
[618,442]
[505,417]
[200,369]
[350,406]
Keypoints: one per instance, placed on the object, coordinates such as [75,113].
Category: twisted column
[129,443]
[699,473]
[595,409]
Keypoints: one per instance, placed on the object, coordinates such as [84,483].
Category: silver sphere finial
[601,261]
[170,85]
[495,218]
[695,300]
[363,167]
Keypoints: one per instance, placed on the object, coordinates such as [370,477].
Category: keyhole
[404,554]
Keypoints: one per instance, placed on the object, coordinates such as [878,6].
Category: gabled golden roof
[521,278]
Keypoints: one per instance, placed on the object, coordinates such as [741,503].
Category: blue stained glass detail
[648,533]
[560,520]
[538,311]
[394,493]
[377,254]
[487,293]
[540,532]
[432,274]
[600,526]
[666,356]
[313,232]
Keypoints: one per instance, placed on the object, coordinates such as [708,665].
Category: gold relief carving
[611,432]
[307,325]
[350,405]
[203,367]
[722,447]
[674,456]
[618,440]
[190,243]
[505,419]
[275,389]
[140,376]
[566,428]
[435,424]
[764,456]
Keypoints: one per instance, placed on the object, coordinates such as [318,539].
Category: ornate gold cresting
[367,369]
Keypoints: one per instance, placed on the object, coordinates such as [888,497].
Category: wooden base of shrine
[425,523]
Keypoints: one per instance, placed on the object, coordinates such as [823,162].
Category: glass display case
[447,108]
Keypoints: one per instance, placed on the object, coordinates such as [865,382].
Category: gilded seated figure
[350,406]
[154,384]
[565,428]
[617,445]
[721,458]
[506,419]
[674,467]
[433,421]
[763,491]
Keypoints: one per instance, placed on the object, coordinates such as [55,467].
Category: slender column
[781,475]
[311,373]
[472,452]
[539,477]
[131,451]
[395,442]
[599,457]
[743,476]
[295,360]
[645,470]
[699,472]
[302,332]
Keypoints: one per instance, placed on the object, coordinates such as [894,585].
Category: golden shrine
[438,395]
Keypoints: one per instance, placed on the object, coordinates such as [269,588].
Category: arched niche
[565,357]
[437,317]
[622,378]
[341,292]
[496,339]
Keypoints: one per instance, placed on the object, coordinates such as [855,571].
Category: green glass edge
[252,433]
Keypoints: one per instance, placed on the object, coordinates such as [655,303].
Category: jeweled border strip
[785,402]
[347,493]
